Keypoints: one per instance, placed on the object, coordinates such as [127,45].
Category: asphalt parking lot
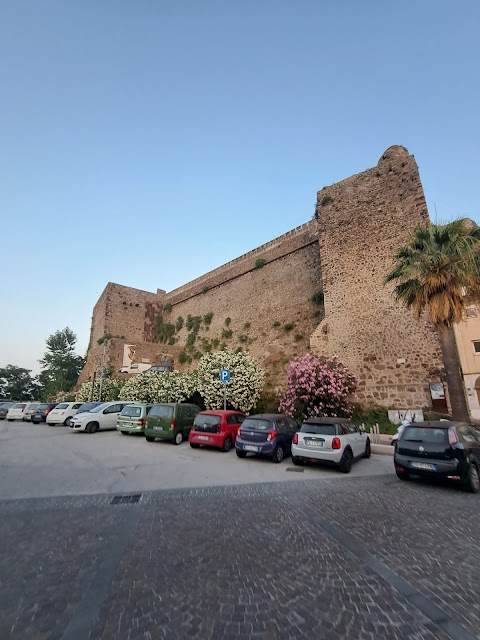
[312,555]
[41,461]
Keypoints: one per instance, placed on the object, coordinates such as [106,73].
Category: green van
[170,421]
[132,418]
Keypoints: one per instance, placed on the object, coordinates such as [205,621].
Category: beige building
[467,335]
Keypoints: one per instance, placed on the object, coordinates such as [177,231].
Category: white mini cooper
[334,441]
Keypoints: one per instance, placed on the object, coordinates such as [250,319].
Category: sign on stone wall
[129,351]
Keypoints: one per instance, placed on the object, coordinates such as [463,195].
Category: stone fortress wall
[344,252]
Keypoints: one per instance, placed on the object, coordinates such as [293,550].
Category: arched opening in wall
[477,389]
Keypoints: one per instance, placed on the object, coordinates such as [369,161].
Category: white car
[334,441]
[102,417]
[17,411]
[63,413]
[136,367]
[27,414]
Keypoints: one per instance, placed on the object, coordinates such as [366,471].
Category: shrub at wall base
[245,385]
[160,387]
[110,390]
[318,386]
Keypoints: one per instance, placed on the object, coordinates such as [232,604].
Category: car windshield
[206,420]
[87,406]
[99,408]
[64,405]
[257,423]
[425,434]
[319,429]
[131,411]
[161,411]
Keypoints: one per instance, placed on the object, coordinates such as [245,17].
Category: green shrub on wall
[164,330]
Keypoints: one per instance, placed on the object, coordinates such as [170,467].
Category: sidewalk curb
[382,449]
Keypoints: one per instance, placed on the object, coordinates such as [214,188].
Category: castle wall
[362,221]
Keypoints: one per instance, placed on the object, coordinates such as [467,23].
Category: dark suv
[267,434]
[443,449]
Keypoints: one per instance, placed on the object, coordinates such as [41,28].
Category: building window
[476,347]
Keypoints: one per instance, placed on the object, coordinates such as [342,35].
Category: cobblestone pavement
[360,558]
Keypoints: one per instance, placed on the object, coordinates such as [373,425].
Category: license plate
[158,428]
[203,438]
[314,443]
[250,447]
[423,465]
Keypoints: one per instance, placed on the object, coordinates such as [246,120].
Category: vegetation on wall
[228,321]
[259,263]
[167,307]
[288,326]
[165,331]
[317,299]
[227,334]
[179,324]
[207,318]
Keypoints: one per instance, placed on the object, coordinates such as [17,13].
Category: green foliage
[243,338]
[165,331]
[193,323]
[167,307]
[16,383]
[317,313]
[190,342]
[372,416]
[108,336]
[276,323]
[205,345]
[238,350]
[288,327]
[182,357]
[259,263]
[317,298]
[247,325]
[171,340]
[228,321]
[227,333]
[325,200]
[205,289]
[197,355]
[179,324]
[207,318]
[298,337]
[60,361]
[110,390]
[215,343]
[267,403]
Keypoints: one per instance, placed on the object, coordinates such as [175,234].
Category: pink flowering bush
[317,386]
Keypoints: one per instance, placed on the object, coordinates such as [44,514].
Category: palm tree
[438,274]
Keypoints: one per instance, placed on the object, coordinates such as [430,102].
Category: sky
[149,142]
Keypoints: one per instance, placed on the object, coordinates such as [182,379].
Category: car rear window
[319,429]
[258,423]
[206,420]
[19,405]
[161,411]
[43,406]
[425,434]
[131,411]
[64,405]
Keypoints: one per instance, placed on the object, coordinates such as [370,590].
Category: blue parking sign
[225,375]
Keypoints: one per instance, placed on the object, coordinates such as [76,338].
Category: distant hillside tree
[16,383]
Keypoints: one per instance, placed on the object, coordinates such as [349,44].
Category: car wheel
[241,454]
[194,445]
[278,454]
[227,444]
[346,462]
[472,482]
[178,438]
[368,449]
[297,461]
[149,439]
[91,427]
[402,475]
[68,422]
[124,433]
[10,419]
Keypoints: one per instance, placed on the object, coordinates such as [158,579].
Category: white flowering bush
[246,380]
[110,390]
[152,386]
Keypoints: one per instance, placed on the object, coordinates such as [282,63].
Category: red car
[216,429]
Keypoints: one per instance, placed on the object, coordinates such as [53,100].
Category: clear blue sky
[148,142]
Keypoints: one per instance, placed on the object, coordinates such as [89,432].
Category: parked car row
[333,441]
[53,413]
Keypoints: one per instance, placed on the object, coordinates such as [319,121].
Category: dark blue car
[266,434]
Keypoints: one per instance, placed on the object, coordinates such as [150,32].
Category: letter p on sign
[225,375]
